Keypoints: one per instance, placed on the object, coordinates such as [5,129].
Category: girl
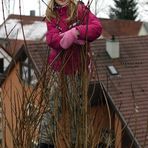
[71,26]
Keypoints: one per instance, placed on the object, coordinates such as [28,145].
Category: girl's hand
[68,38]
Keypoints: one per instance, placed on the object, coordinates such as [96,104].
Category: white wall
[7,58]
[143,31]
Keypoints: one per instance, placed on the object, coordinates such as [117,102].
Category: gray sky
[27,5]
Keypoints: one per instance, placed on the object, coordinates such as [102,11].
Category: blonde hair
[72,10]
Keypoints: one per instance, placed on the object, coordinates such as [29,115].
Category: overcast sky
[27,5]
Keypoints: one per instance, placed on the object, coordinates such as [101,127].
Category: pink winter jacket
[89,28]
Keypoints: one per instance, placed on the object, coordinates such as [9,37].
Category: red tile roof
[26,18]
[11,46]
[34,27]
[38,53]
[110,26]
[120,27]
[128,89]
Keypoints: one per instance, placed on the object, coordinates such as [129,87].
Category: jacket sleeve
[52,36]
[90,28]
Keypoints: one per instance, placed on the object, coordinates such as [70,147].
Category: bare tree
[27,105]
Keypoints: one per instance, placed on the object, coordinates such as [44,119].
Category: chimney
[32,12]
[1,65]
[112,48]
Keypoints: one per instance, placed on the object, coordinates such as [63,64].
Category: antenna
[39,7]
[8,7]
[13,6]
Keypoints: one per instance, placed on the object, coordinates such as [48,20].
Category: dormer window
[112,70]
[27,72]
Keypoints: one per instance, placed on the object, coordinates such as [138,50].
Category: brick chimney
[32,12]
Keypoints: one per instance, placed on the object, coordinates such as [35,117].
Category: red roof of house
[129,89]
[27,19]
[12,46]
[119,27]
[38,53]
[35,27]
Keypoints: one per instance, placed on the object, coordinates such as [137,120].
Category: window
[112,70]
[27,72]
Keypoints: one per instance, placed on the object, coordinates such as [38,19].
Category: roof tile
[129,90]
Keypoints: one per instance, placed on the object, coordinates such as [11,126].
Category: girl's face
[61,2]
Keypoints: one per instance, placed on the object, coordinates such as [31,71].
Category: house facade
[103,120]
[121,116]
